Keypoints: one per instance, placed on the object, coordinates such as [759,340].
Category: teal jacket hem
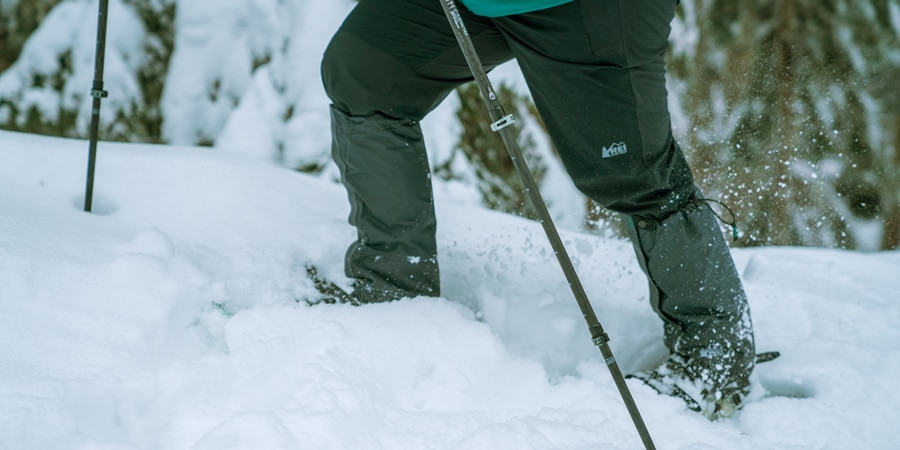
[498,8]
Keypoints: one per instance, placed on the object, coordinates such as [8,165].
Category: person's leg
[390,63]
[695,288]
[596,70]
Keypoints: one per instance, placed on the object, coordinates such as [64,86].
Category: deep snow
[110,337]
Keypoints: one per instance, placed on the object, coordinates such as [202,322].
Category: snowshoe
[330,293]
[665,385]
[674,378]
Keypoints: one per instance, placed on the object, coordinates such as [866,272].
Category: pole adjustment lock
[601,340]
[503,122]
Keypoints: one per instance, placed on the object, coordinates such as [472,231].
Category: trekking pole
[98,93]
[501,124]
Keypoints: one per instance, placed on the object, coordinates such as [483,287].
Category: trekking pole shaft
[501,124]
[97,93]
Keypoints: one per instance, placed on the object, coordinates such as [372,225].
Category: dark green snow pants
[596,72]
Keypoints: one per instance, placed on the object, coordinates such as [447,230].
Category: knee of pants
[653,191]
[361,79]
[341,79]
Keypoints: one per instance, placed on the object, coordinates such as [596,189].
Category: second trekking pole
[98,94]
[501,124]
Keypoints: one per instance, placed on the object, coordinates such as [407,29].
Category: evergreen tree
[18,19]
[500,185]
[51,47]
[784,125]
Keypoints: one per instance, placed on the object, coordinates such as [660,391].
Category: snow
[215,90]
[113,331]
[169,317]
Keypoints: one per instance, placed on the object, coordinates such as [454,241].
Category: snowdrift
[173,318]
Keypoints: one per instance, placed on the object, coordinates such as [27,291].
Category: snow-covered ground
[113,331]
